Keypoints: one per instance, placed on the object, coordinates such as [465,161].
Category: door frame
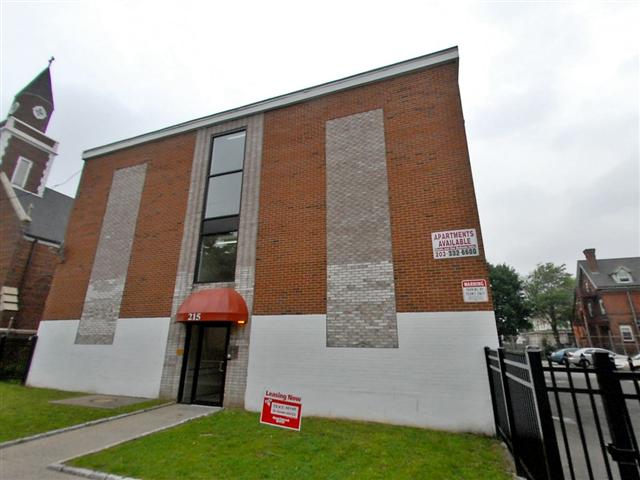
[201,327]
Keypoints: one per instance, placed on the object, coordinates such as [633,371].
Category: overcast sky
[550,92]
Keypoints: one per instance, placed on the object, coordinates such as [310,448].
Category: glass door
[204,368]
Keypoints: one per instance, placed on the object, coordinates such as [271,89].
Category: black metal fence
[561,421]
[15,356]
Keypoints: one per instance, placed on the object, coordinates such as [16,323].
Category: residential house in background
[541,335]
[607,305]
[33,218]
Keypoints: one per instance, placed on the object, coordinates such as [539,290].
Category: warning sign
[474,291]
[281,410]
[455,243]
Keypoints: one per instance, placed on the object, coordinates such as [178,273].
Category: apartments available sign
[455,243]
[281,410]
[474,291]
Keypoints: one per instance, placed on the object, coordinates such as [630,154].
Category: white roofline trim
[10,127]
[371,76]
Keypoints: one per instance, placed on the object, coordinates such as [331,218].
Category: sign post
[282,410]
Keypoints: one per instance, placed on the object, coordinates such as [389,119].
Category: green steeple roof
[40,86]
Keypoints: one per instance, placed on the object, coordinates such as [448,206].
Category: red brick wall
[31,276]
[430,189]
[291,247]
[13,278]
[619,312]
[10,234]
[156,247]
[36,282]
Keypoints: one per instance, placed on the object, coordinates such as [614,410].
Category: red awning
[214,305]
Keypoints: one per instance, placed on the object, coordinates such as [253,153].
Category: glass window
[622,276]
[218,257]
[219,229]
[21,172]
[627,333]
[227,154]
[603,311]
[223,196]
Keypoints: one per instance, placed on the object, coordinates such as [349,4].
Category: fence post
[2,342]
[545,419]
[492,389]
[615,408]
[515,441]
[32,347]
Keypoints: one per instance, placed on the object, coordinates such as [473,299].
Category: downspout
[586,326]
[28,264]
[612,345]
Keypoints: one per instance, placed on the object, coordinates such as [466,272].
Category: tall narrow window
[626,333]
[21,172]
[603,310]
[219,232]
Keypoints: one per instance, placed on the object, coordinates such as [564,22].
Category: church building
[324,243]
[33,218]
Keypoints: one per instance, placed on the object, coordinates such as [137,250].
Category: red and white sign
[281,410]
[474,291]
[455,243]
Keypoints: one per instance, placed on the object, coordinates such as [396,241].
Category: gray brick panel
[236,376]
[360,286]
[109,272]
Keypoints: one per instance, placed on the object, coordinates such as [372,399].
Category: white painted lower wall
[437,378]
[132,365]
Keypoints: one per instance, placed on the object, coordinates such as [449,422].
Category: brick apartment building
[607,308]
[33,218]
[314,243]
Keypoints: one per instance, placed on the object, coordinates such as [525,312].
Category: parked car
[633,361]
[584,357]
[559,356]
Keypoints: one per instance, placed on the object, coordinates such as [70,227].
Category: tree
[549,289]
[509,303]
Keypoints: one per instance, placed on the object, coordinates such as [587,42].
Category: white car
[584,357]
[635,361]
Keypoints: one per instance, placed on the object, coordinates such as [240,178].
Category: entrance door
[204,367]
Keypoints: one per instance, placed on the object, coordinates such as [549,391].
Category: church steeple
[33,105]
[27,152]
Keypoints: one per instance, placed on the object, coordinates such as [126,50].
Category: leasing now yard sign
[281,410]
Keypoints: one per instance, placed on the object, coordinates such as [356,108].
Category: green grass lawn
[233,444]
[25,411]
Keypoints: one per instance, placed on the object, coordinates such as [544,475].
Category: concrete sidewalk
[29,461]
